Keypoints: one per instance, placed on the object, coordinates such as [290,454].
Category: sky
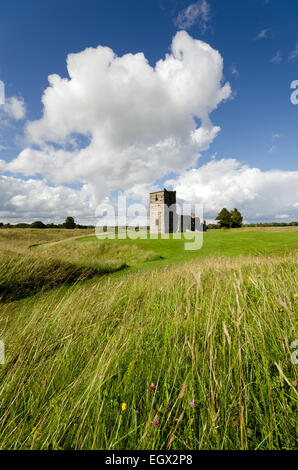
[133,96]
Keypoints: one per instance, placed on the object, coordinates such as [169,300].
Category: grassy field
[142,345]
[216,243]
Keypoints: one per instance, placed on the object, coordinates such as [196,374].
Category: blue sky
[258,122]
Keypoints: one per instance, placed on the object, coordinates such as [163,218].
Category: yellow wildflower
[123,406]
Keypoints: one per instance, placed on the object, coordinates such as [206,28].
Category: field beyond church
[139,344]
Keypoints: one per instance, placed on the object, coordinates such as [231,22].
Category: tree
[237,218]
[224,218]
[38,224]
[69,223]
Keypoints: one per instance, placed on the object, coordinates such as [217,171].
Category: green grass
[213,326]
[215,243]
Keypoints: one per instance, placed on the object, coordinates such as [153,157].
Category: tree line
[225,218]
[234,219]
[69,224]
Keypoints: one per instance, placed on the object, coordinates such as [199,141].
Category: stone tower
[162,211]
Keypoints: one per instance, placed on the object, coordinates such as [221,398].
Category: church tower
[162,211]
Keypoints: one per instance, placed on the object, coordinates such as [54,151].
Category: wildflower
[151,387]
[155,422]
[192,404]
[295,383]
[199,309]
[123,406]
[295,296]
[281,338]
[283,304]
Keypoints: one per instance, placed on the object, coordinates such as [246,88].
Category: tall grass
[214,331]
[19,240]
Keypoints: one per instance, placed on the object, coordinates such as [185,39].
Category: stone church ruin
[164,217]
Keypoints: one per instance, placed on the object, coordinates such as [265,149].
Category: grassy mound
[48,266]
[22,276]
[95,254]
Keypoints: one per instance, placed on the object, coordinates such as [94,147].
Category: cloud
[118,121]
[294,54]
[275,137]
[14,108]
[34,199]
[196,13]
[259,195]
[235,71]
[277,58]
[263,34]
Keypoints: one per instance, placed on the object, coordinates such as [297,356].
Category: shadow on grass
[21,281]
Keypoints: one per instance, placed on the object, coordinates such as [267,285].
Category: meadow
[139,344]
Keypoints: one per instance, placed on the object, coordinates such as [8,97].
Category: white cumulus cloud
[118,121]
[34,199]
[260,195]
[14,108]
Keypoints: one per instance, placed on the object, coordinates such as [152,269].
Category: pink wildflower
[155,422]
[151,387]
[192,404]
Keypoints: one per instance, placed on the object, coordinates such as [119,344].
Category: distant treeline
[69,223]
[33,225]
[265,224]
